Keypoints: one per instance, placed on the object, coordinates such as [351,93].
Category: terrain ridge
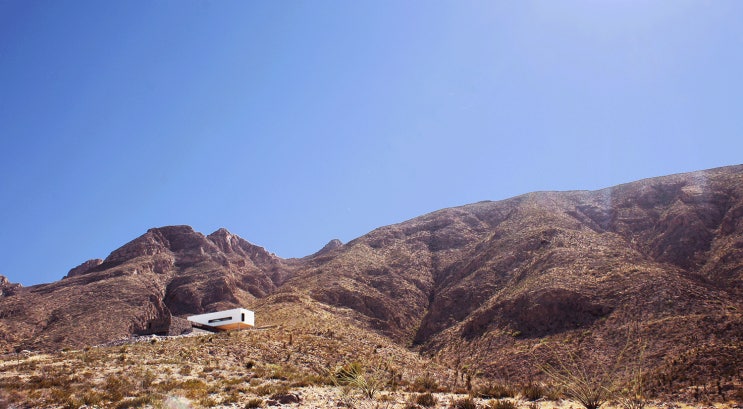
[488,282]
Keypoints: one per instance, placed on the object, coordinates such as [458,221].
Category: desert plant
[207,402]
[426,400]
[589,389]
[254,403]
[532,391]
[501,404]
[92,398]
[596,377]
[117,387]
[354,375]
[464,403]
[632,394]
[426,383]
[194,388]
[495,391]
[271,389]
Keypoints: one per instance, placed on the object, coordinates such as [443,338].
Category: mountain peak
[332,245]
[221,232]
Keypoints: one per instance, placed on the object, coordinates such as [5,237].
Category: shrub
[596,376]
[495,391]
[194,388]
[116,388]
[354,375]
[464,403]
[552,393]
[207,402]
[271,389]
[147,379]
[425,384]
[92,398]
[532,391]
[502,404]
[426,400]
[254,403]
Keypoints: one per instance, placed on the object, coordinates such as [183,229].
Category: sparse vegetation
[495,391]
[502,404]
[250,369]
[354,375]
[595,377]
[532,391]
[426,400]
[254,403]
[464,403]
[426,383]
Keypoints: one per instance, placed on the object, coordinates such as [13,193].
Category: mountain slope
[487,282]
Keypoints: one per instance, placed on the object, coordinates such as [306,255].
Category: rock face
[489,280]
[332,245]
[168,271]
[7,288]
[84,268]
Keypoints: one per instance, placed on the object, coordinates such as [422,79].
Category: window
[219,320]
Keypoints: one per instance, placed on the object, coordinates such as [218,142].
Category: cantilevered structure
[238,318]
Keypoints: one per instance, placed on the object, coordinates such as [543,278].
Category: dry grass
[245,369]
[209,370]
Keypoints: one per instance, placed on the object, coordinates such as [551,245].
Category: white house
[238,318]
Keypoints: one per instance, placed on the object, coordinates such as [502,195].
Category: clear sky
[291,123]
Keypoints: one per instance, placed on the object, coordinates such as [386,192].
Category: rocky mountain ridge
[489,282]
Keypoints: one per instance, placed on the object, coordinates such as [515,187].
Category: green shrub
[354,375]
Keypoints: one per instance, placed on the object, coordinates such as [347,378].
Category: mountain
[484,285]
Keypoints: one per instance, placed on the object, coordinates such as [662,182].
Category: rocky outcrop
[7,288]
[332,245]
[84,268]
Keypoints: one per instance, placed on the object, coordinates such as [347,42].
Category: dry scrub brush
[596,373]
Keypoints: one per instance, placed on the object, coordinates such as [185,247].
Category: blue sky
[291,123]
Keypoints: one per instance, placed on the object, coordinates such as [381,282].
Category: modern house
[235,319]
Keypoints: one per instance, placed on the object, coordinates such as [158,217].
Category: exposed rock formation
[332,245]
[7,288]
[84,268]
